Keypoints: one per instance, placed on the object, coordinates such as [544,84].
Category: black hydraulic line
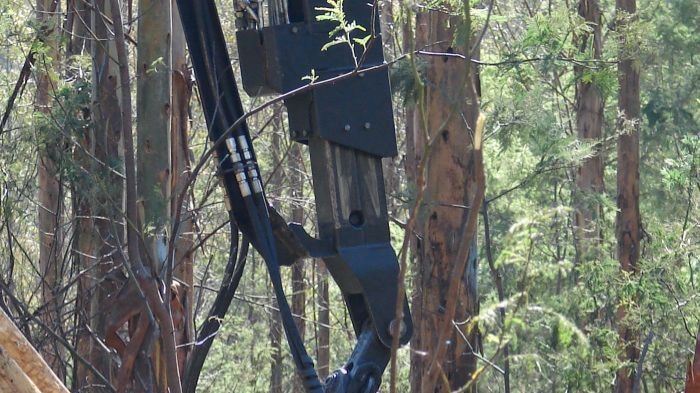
[237,164]
[209,329]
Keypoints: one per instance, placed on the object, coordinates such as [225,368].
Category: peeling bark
[181,164]
[451,110]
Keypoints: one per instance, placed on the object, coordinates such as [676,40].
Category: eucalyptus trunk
[154,108]
[97,197]
[628,226]
[50,190]
[274,188]
[446,115]
[180,159]
[589,127]
[296,194]
[153,160]
[323,351]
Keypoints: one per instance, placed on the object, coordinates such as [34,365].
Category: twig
[636,386]
[24,74]
[497,278]
[582,62]
[17,91]
[477,43]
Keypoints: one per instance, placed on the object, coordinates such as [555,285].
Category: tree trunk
[274,187]
[180,157]
[628,221]
[49,185]
[154,90]
[99,199]
[692,378]
[296,191]
[589,124]
[447,116]
[276,361]
[153,162]
[108,186]
[323,353]
[89,196]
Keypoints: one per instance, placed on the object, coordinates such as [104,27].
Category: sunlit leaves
[345,32]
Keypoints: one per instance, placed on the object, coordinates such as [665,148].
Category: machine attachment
[348,126]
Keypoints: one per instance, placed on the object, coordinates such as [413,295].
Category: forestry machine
[338,102]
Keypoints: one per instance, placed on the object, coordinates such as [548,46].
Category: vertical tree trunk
[323,354]
[49,185]
[628,221]
[100,197]
[106,187]
[180,157]
[276,361]
[85,244]
[154,90]
[154,108]
[447,116]
[274,187]
[589,124]
[296,191]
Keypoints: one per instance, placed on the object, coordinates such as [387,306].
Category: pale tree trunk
[154,90]
[628,227]
[106,187]
[390,165]
[274,187]
[296,194]
[387,23]
[180,158]
[323,352]
[276,360]
[99,200]
[589,127]
[153,162]
[49,184]
[448,117]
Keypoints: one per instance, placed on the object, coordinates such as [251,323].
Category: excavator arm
[345,117]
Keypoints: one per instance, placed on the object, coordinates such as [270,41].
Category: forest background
[582,276]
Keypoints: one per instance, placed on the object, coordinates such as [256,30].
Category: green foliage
[403,80]
[561,304]
[345,32]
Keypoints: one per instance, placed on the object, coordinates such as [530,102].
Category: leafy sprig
[342,33]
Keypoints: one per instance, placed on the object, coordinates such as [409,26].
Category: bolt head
[347,127]
[368,125]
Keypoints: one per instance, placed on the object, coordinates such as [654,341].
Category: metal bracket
[279,59]
[314,247]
